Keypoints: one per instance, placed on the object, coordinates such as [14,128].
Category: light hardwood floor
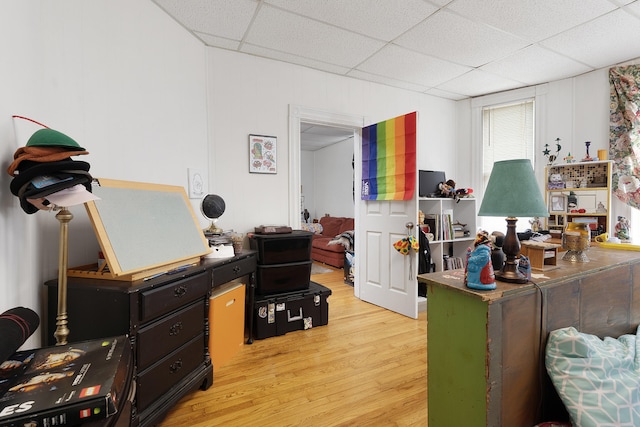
[366,367]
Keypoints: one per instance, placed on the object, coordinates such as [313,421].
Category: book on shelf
[452,263]
[66,385]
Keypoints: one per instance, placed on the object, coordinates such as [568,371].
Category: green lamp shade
[513,191]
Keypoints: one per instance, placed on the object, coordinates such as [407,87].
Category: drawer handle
[236,269]
[179,291]
[175,328]
[175,366]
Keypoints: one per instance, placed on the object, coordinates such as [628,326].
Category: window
[507,133]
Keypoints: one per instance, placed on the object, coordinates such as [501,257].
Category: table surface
[599,259]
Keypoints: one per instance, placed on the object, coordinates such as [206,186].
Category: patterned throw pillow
[597,380]
[312,227]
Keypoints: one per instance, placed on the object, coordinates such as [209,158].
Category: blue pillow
[597,380]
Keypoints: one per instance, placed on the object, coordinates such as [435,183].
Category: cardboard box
[226,323]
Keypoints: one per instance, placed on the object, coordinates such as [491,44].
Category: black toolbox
[282,248]
[291,311]
[278,278]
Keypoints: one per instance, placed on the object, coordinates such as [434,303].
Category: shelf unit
[462,211]
[591,184]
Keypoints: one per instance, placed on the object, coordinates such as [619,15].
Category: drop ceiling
[452,49]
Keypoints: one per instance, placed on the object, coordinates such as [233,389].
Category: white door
[385,277]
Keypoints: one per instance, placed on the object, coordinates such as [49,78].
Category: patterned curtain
[624,133]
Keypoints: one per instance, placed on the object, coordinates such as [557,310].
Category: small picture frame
[557,203]
[262,154]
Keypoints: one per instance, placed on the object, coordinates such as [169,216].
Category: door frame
[297,115]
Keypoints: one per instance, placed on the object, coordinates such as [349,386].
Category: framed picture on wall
[262,154]
[557,203]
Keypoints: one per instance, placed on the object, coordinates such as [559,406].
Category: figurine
[568,158]
[622,228]
[587,158]
[536,225]
[479,273]
[551,158]
[601,208]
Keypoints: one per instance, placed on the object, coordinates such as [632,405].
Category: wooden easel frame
[108,215]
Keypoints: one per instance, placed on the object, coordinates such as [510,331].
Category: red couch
[321,250]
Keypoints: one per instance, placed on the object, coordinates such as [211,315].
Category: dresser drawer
[160,338]
[160,377]
[162,300]
[227,273]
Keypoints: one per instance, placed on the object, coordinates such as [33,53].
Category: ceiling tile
[386,81]
[381,19]
[608,40]
[534,65]
[473,43]
[412,67]
[444,94]
[478,82]
[228,19]
[534,20]
[294,59]
[293,34]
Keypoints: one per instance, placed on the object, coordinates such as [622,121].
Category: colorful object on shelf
[622,228]
[389,159]
[479,273]
[587,158]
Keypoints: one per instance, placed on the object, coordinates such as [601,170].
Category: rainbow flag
[389,159]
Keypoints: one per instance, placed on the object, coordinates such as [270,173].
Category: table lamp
[512,192]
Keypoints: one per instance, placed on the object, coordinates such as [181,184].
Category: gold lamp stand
[62,331]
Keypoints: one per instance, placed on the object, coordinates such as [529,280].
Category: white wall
[122,79]
[333,180]
[149,101]
[252,95]
[575,110]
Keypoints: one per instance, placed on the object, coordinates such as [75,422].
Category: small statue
[622,228]
[536,225]
[479,273]
[587,158]
[601,208]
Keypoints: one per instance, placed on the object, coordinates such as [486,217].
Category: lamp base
[511,275]
[511,248]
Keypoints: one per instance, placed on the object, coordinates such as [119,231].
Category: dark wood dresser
[485,361]
[166,319]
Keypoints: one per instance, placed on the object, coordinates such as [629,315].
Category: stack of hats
[44,167]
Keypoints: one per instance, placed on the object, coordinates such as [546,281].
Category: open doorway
[326,171]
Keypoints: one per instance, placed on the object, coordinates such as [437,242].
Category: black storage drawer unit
[282,248]
[291,311]
[272,279]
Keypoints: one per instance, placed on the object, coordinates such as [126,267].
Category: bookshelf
[589,185]
[449,245]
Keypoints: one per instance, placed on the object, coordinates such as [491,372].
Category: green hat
[52,138]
